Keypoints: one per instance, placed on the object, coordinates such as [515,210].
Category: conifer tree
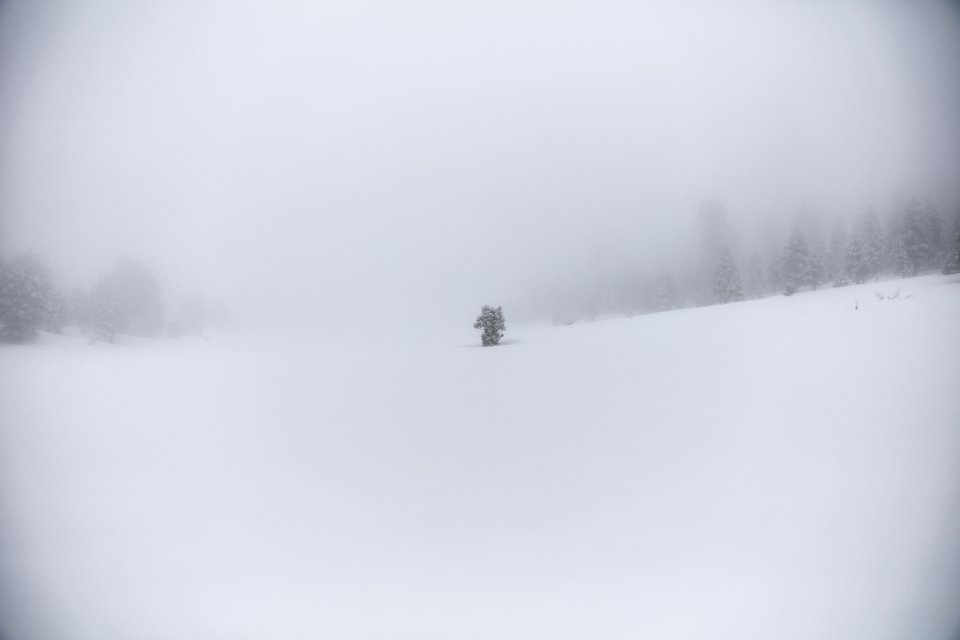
[25,287]
[936,240]
[815,271]
[726,279]
[856,268]
[912,249]
[796,262]
[871,239]
[953,261]
[492,323]
[902,263]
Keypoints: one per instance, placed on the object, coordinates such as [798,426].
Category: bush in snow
[492,323]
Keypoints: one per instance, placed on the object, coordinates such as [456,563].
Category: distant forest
[125,300]
[915,240]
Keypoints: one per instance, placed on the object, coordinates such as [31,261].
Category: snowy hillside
[782,468]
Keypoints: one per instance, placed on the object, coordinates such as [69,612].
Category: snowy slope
[781,468]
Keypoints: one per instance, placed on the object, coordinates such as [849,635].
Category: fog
[332,163]
[242,246]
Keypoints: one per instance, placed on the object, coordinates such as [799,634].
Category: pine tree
[837,252]
[912,251]
[726,279]
[871,238]
[918,239]
[856,269]
[953,261]
[25,287]
[935,232]
[715,239]
[815,269]
[902,264]
[492,323]
[796,262]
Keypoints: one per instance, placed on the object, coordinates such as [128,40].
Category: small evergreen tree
[726,279]
[492,323]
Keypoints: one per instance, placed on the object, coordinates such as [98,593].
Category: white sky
[361,155]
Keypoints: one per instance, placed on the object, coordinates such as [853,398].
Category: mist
[326,163]
[715,249]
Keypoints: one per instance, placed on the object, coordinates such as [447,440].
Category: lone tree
[492,323]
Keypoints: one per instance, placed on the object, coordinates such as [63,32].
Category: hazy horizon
[316,161]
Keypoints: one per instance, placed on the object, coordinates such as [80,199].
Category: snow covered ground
[782,468]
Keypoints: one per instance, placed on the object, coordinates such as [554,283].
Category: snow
[778,468]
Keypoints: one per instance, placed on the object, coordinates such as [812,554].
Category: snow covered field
[782,468]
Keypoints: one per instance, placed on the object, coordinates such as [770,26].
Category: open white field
[784,468]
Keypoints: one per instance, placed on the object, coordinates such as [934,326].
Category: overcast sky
[361,155]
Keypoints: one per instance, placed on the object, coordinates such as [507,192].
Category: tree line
[914,240]
[125,300]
